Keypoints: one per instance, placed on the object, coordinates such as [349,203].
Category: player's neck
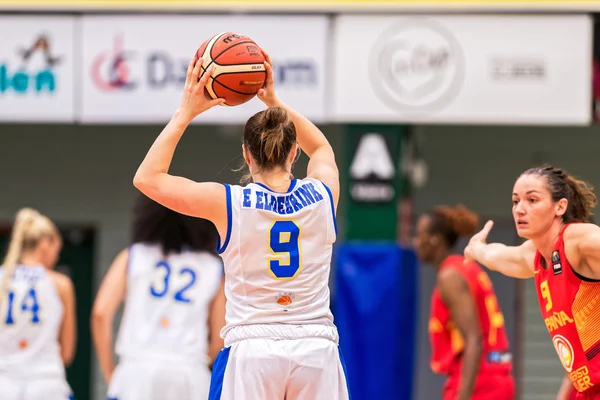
[276,180]
[440,256]
[30,259]
[546,242]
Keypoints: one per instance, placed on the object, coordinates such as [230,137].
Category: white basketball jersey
[31,315]
[277,254]
[167,304]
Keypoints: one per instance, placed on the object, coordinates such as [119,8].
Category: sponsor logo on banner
[517,69]
[372,170]
[135,69]
[462,69]
[417,65]
[37,69]
[27,75]
[112,69]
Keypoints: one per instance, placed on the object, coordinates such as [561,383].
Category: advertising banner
[134,67]
[488,69]
[37,71]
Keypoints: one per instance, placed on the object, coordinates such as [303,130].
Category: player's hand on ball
[267,94]
[194,100]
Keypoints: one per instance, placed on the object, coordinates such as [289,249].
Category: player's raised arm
[322,165]
[513,261]
[204,200]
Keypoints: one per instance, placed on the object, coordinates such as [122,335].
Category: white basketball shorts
[309,368]
[144,380]
[14,388]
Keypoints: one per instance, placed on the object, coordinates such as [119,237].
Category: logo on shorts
[285,300]
[564,351]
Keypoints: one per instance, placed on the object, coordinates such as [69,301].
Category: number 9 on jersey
[284,244]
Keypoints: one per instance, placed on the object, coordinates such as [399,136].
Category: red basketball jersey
[447,342]
[570,307]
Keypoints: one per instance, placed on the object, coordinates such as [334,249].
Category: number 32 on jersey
[284,245]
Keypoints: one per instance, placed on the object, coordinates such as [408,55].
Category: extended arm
[513,261]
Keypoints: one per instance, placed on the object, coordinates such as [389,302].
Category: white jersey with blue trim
[277,254]
[31,315]
[167,306]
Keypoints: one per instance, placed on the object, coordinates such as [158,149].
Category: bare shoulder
[580,231]
[63,284]
[582,240]
[122,257]
[449,278]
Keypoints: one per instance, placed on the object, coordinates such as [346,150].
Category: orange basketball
[284,300]
[239,72]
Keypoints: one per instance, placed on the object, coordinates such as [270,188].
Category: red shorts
[497,386]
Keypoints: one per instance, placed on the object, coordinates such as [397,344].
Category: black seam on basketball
[231,47]
[210,50]
[203,71]
[228,88]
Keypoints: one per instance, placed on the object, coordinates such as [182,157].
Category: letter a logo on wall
[372,170]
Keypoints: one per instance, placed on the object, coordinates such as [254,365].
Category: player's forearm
[310,138]
[159,157]
[501,258]
[566,387]
[470,366]
[102,336]
[488,254]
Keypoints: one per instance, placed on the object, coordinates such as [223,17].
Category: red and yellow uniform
[570,306]
[494,379]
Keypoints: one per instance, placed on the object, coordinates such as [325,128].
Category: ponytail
[269,136]
[273,136]
[24,220]
[582,201]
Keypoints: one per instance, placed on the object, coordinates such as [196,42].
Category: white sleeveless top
[277,254]
[31,315]
[167,305]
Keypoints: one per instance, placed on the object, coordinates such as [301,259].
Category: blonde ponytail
[23,221]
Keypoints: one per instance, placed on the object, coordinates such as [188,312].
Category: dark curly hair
[155,224]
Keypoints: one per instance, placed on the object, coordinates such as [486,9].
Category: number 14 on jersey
[28,304]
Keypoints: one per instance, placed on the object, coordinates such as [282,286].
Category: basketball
[284,300]
[239,70]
